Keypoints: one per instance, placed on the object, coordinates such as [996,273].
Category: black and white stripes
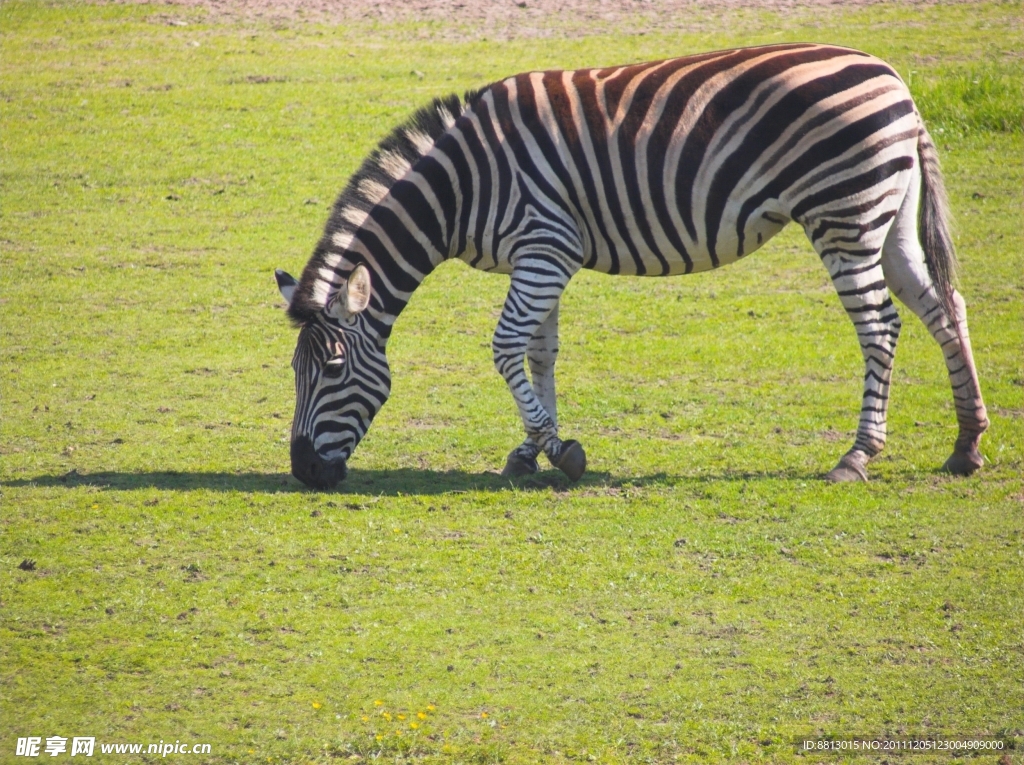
[661,168]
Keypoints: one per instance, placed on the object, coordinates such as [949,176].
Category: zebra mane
[388,163]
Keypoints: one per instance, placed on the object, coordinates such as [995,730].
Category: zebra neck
[400,252]
[392,301]
[403,214]
[423,220]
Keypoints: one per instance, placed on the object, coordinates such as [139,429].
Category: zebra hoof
[518,466]
[963,463]
[573,460]
[849,469]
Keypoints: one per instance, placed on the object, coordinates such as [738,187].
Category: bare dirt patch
[507,19]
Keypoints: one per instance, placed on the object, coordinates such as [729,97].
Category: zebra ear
[357,295]
[286,284]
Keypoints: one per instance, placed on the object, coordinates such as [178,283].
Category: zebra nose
[312,469]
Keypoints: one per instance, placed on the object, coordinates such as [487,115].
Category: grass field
[701,595]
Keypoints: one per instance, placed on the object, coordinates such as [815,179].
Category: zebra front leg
[864,295]
[541,354]
[537,284]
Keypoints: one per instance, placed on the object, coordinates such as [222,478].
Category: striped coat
[654,169]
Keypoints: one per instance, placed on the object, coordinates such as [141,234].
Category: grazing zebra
[669,167]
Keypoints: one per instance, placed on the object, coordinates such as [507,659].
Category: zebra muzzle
[312,469]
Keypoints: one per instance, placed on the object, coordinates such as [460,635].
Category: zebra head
[342,379]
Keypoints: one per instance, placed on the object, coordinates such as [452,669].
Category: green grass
[967,100]
[700,595]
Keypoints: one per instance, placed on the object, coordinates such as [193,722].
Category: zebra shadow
[400,481]
[359,482]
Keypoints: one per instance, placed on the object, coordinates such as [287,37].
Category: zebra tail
[935,224]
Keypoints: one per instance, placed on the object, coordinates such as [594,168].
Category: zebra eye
[333,367]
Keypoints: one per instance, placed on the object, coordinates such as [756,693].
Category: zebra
[653,169]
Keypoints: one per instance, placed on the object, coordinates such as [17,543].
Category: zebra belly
[642,260]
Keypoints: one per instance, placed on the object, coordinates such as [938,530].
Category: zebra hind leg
[863,292]
[907,275]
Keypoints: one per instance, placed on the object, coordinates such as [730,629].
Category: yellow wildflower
[431,707]
[317,705]
[401,717]
[484,715]
[422,715]
[414,725]
[387,716]
[365,718]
